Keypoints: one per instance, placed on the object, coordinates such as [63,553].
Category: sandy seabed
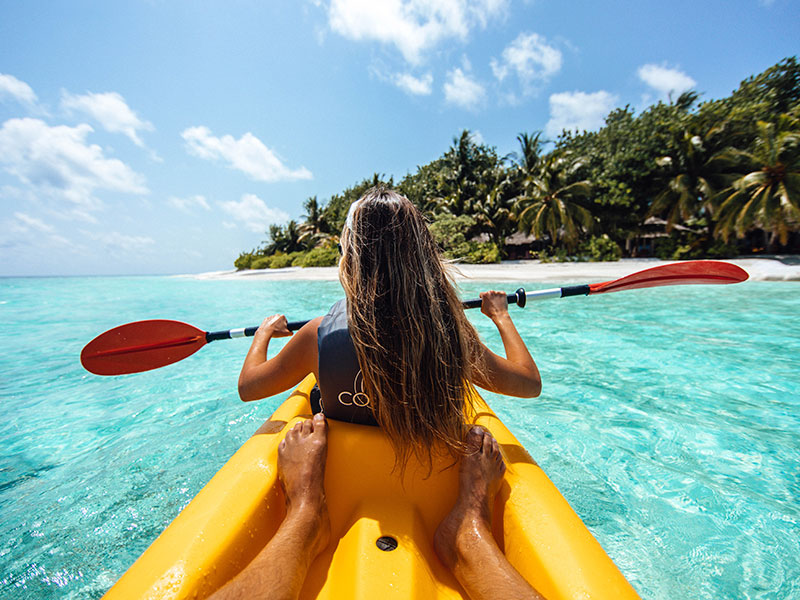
[759,269]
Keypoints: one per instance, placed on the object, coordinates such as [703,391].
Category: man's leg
[279,570]
[464,540]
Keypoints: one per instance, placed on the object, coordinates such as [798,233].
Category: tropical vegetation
[680,179]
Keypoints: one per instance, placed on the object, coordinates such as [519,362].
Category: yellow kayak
[239,510]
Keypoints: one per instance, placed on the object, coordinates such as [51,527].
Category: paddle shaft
[145,345]
[519,297]
[572,290]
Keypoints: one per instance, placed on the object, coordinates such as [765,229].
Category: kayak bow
[382,528]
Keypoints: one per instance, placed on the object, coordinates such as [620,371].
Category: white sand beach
[759,269]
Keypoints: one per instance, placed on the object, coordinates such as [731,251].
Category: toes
[487,443]
[293,435]
[475,439]
[320,424]
[306,427]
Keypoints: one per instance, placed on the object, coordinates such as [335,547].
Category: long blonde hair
[416,348]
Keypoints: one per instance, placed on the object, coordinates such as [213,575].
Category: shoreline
[759,269]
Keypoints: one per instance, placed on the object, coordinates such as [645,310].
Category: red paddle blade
[683,273]
[141,346]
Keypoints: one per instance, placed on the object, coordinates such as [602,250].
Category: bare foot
[301,469]
[470,521]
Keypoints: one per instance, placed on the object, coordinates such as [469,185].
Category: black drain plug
[386,543]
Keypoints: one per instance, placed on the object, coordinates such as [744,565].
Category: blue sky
[159,136]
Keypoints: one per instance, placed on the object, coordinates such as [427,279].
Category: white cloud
[25,231]
[578,111]
[418,86]
[531,58]
[120,243]
[460,89]
[190,203]
[253,213]
[247,154]
[412,26]
[666,81]
[111,111]
[27,223]
[57,161]
[11,87]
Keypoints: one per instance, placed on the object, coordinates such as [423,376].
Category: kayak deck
[240,509]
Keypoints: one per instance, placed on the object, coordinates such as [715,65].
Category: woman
[400,353]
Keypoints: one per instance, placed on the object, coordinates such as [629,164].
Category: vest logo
[358,397]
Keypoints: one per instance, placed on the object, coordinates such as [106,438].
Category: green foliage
[692,245]
[719,248]
[767,192]
[622,161]
[666,247]
[284,238]
[482,252]
[451,234]
[454,182]
[675,248]
[423,187]
[603,248]
[261,262]
[553,202]
[281,260]
[244,261]
[315,228]
[321,257]
[716,171]
[468,170]
[559,256]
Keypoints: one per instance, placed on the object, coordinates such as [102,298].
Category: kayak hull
[239,510]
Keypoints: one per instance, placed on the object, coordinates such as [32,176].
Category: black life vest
[341,383]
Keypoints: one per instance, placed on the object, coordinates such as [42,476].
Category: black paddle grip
[212,336]
[575,290]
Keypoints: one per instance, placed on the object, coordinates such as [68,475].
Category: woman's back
[415,347]
[416,351]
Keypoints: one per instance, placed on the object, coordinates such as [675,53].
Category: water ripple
[669,420]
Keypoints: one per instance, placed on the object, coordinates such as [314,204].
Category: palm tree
[315,228]
[767,193]
[530,152]
[525,162]
[284,239]
[465,167]
[695,173]
[551,200]
[493,208]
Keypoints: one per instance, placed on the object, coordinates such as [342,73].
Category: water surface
[669,420]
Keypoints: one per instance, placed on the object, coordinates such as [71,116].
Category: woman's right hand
[274,326]
[517,373]
[494,304]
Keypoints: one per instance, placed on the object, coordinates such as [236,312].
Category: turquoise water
[669,420]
